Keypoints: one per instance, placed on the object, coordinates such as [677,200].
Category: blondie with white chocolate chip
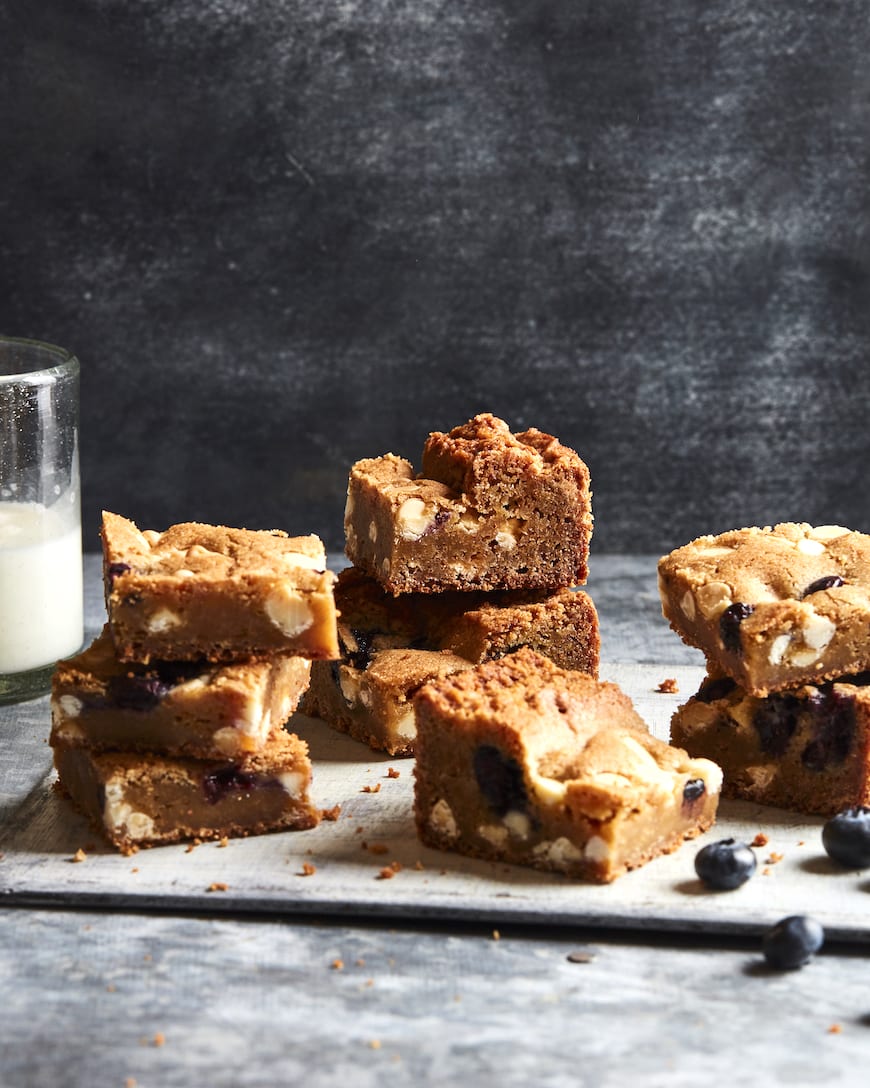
[807,749]
[144,800]
[521,761]
[774,607]
[205,591]
[189,708]
[491,510]
[391,645]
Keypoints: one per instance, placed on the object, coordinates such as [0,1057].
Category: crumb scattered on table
[337,965]
[79,855]
[330,814]
[835,1029]
[774,858]
[159,1038]
[372,789]
[217,886]
[582,955]
[389,871]
[760,839]
[224,841]
[308,869]
[392,772]
[669,686]
[377,847]
[375,1044]
[496,936]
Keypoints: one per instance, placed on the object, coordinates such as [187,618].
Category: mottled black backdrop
[282,235]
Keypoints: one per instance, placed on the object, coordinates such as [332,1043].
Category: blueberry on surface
[792,942]
[846,837]
[725,865]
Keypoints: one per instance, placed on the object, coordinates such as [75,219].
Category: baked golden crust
[773,607]
[522,761]
[202,591]
[491,510]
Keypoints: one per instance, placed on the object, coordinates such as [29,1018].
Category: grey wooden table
[99,991]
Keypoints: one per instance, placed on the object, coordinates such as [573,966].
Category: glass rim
[66,365]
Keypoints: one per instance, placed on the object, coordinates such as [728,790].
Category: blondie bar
[521,761]
[203,591]
[806,749]
[775,607]
[390,645]
[188,708]
[145,800]
[491,510]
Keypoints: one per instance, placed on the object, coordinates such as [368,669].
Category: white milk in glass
[40,584]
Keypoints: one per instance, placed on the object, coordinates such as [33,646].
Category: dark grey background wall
[282,235]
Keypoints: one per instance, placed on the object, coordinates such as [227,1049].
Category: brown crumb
[337,965]
[110,989]
[375,1044]
[393,773]
[377,848]
[370,982]
[389,871]
[774,858]
[224,842]
[191,846]
[801,842]
[765,871]
[496,936]
[760,839]
[129,849]
[360,963]
[835,1029]
[669,686]
[159,1039]
[582,955]
[359,830]
[330,814]
[419,866]
[79,855]
[135,869]
[147,958]
[376,788]
[217,886]
[130,1082]
[308,869]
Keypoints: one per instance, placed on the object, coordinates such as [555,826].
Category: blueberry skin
[725,865]
[846,837]
[792,942]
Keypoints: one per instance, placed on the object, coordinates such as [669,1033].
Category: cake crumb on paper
[760,839]
[392,772]
[217,886]
[308,869]
[372,789]
[669,686]
[79,855]
[337,965]
[330,814]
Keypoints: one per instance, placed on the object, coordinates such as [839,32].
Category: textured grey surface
[282,236]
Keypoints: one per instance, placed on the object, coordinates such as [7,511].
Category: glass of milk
[40,519]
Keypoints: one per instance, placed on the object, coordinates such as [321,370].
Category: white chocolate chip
[150,536]
[139,826]
[348,681]
[118,813]
[518,824]
[373,531]
[441,820]
[713,598]
[227,740]
[778,648]
[713,551]
[506,539]
[413,519]
[288,611]
[493,834]
[688,605]
[292,782]
[385,567]
[818,631]
[70,706]
[827,532]
[302,559]
[162,621]
[406,726]
[559,853]
[597,849]
[810,547]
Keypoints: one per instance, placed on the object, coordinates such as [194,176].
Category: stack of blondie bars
[170,725]
[782,615]
[465,641]
[471,559]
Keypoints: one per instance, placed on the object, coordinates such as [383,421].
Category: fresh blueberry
[725,865]
[729,625]
[846,837]
[830,581]
[500,779]
[694,789]
[792,942]
[216,785]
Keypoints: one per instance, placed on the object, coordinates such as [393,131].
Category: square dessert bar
[524,762]
[806,749]
[204,591]
[390,646]
[374,705]
[773,608]
[145,800]
[491,510]
[191,708]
